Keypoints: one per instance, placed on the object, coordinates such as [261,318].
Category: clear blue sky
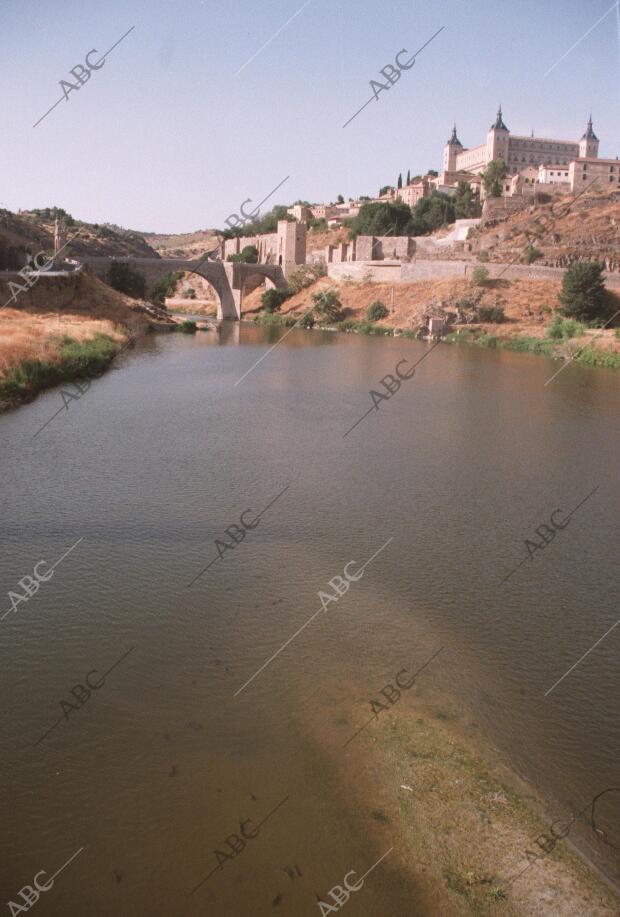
[165,137]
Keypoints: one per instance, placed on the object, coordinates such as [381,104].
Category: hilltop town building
[585,170]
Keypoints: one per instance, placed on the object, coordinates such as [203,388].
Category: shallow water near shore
[166,761]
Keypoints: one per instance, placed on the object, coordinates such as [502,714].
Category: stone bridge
[230,280]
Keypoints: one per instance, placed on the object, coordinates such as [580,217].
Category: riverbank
[60,330]
[575,350]
[459,820]
[579,350]
[529,308]
[63,359]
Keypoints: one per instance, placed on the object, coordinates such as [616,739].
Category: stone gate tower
[291,245]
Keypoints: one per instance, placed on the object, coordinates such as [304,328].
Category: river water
[149,773]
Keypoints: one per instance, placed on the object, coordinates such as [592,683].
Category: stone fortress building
[516,151]
[542,163]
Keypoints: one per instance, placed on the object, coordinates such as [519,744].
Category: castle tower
[497,139]
[450,150]
[588,145]
[291,245]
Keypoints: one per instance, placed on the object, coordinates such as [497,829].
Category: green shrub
[376,311]
[487,340]
[531,254]
[483,256]
[125,279]
[190,293]
[272,299]
[305,276]
[465,304]
[491,314]
[591,356]
[307,321]
[187,327]
[564,328]
[247,255]
[165,287]
[583,291]
[480,276]
[327,304]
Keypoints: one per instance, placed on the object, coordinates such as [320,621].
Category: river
[182,745]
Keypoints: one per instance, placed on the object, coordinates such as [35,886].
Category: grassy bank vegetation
[586,354]
[67,359]
[348,324]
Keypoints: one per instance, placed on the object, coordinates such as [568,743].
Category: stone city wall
[395,272]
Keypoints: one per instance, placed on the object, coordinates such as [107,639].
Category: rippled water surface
[167,758]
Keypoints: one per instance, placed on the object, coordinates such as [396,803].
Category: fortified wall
[286,247]
[398,272]
[370,248]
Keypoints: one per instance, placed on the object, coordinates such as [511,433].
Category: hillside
[182,245]
[34,230]
[590,229]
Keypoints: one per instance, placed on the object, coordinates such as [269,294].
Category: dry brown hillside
[182,245]
[34,231]
[564,230]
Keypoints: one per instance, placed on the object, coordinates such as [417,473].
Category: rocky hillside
[563,231]
[34,230]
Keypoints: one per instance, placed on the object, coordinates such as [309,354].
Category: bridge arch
[230,280]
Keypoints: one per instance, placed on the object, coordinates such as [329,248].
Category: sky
[204,105]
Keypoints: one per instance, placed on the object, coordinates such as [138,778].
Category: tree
[340,199]
[126,280]
[493,176]
[431,212]
[248,255]
[327,304]
[272,299]
[399,183]
[583,291]
[261,224]
[393,217]
[376,311]
[408,177]
[466,201]
[385,189]
[165,287]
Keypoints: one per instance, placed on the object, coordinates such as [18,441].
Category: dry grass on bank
[26,336]
[59,327]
